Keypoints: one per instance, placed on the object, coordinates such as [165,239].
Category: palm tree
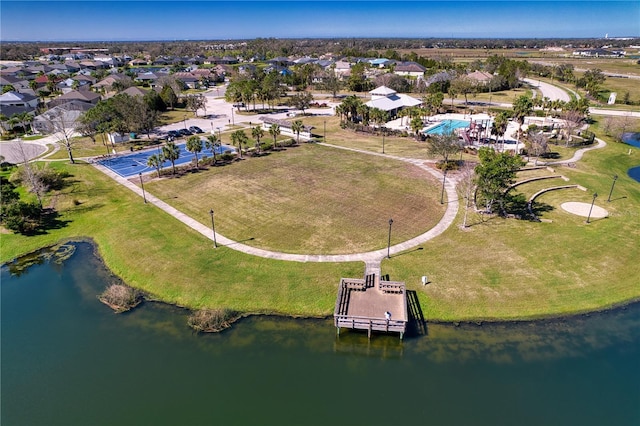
[522,106]
[257,134]
[416,125]
[297,127]
[194,144]
[274,131]
[155,161]
[500,125]
[171,152]
[238,138]
[25,119]
[210,143]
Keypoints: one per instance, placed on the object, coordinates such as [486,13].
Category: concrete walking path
[577,156]
[371,258]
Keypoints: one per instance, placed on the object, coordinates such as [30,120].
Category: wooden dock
[371,304]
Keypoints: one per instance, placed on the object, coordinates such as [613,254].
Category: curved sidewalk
[577,156]
[371,257]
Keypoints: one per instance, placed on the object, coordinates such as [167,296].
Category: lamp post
[219,135]
[389,240]
[324,137]
[144,196]
[615,178]
[213,228]
[383,132]
[184,121]
[444,180]
[595,195]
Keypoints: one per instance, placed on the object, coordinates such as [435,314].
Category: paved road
[549,90]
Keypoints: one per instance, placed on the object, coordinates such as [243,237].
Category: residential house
[188,79]
[61,116]
[17,99]
[410,69]
[480,77]
[76,95]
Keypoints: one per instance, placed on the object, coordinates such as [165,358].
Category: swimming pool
[131,164]
[446,126]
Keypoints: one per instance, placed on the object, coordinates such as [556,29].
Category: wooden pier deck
[364,304]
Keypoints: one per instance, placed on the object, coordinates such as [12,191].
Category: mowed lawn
[511,269]
[309,199]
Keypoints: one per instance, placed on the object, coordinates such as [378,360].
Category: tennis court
[131,164]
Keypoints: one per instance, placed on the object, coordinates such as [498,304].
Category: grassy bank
[496,269]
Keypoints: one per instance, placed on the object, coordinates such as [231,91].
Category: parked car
[185,132]
[173,134]
[195,129]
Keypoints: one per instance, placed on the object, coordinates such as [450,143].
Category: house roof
[134,91]
[382,91]
[392,102]
[409,67]
[283,123]
[480,76]
[11,96]
[76,95]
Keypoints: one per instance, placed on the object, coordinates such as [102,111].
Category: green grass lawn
[310,199]
[495,269]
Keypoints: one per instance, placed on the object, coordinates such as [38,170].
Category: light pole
[383,141]
[389,240]
[184,121]
[219,135]
[615,178]
[213,227]
[444,179]
[595,195]
[144,196]
[233,121]
[324,137]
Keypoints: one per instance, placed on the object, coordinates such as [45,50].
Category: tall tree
[211,143]
[443,145]
[274,131]
[194,144]
[416,125]
[495,173]
[171,152]
[239,138]
[522,106]
[257,132]
[500,124]
[196,102]
[297,127]
[302,100]
[155,161]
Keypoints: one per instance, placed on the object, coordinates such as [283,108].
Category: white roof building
[389,100]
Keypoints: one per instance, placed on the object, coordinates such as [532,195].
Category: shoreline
[543,318]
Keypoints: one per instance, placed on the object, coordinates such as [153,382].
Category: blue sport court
[131,164]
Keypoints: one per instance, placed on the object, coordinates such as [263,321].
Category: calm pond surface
[68,360]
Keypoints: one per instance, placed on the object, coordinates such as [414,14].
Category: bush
[212,320]
[23,218]
[121,298]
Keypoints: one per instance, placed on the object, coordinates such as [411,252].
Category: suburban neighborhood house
[390,101]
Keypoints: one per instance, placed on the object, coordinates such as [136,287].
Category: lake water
[631,138]
[68,360]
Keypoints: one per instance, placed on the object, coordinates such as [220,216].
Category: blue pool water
[631,139]
[634,173]
[447,126]
[131,164]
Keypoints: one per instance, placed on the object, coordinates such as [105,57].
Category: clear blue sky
[191,20]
